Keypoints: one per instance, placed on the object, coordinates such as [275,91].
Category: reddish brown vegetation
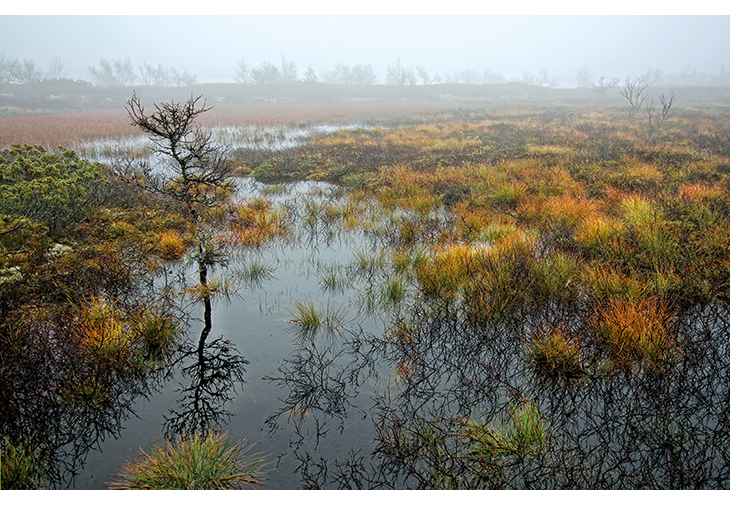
[65,129]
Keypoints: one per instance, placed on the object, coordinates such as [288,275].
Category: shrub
[56,190]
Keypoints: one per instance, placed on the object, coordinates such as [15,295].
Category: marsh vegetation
[515,296]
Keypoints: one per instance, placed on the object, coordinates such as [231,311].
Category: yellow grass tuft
[637,333]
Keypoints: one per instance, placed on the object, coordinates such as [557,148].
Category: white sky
[457,37]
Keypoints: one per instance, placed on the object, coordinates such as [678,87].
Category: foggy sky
[210,46]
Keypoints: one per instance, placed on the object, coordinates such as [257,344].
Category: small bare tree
[56,70]
[310,75]
[491,77]
[193,169]
[584,77]
[243,73]
[113,73]
[400,75]
[657,118]
[423,75]
[635,92]
[288,70]
[363,75]
[604,85]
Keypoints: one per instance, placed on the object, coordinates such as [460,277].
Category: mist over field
[558,51]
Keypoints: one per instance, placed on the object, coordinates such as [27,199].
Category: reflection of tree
[213,368]
[608,430]
[320,383]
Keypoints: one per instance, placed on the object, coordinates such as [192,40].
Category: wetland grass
[20,466]
[522,433]
[638,333]
[554,353]
[309,319]
[193,461]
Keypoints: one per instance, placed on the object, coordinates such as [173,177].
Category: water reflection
[438,418]
[63,394]
[214,370]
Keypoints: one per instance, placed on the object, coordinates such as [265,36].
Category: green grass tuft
[192,462]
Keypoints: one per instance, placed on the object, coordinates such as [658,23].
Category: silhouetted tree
[266,73]
[634,91]
[192,169]
[399,75]
[583,77]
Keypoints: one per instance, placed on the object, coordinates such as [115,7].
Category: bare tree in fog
[56,70]
[468,76]
[114,73]
[181,77]
[153,76]
[338,75]
[423,75]
[243,73]
[400,75]
[343,74]
[288,70]
[160,75]
[584,77]
[604,85]
[363,74]
[266,73]
[657,118]
[310,75]
[490,77]
[542,79]
[634,91]
[14,71]
[651,77]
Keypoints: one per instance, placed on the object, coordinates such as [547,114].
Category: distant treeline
[122,72]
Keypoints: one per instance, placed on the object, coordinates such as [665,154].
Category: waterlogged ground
[318,264]
[397,388]
[109,150]
[354,352]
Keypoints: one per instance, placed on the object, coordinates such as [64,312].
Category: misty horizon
[511,48]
